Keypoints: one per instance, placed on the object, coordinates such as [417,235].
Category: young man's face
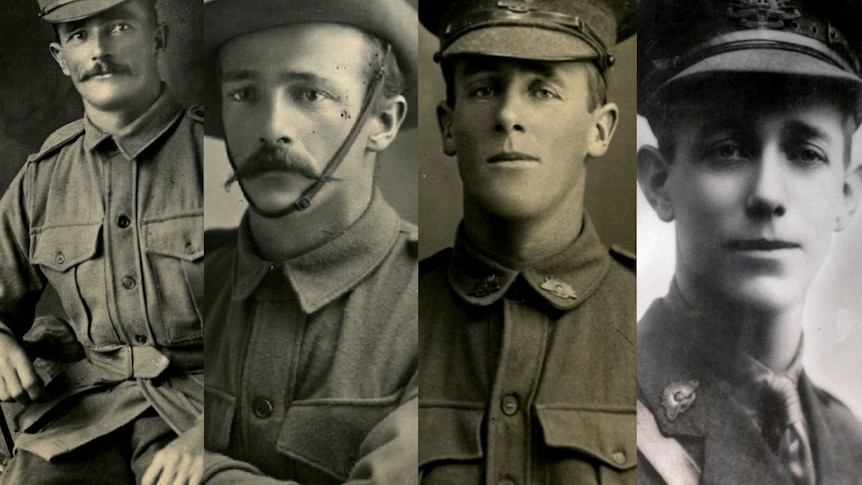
[521,131]
[298,90]
[757,191]
[111,57]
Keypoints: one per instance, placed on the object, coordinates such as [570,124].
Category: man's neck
[113,121]
[772,336]
[517,243]
[283,238]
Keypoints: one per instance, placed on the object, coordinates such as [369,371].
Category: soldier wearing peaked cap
[754,105]
[311,327]
[92,214]
[527,326]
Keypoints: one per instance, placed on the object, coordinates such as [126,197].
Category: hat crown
[679,34]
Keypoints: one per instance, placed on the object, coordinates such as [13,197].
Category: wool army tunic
[311,362]
[115,225]
[527,376]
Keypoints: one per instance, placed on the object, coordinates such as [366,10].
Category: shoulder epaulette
[58,139]
[441,258]
[624,257]
[196,112]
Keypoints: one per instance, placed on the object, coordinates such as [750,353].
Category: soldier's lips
[760,244]
[509,157]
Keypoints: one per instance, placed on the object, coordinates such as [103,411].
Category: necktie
[784,429]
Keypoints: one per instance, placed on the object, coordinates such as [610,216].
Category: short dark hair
[393,79]
[598,95]
[669,109]
[149,6]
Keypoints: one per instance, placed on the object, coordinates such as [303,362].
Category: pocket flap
[63,247]
[449,433]
[219,408]
[178,237]
[606,435]
[327,434]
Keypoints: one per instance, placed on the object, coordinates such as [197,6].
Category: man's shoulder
[842,418]
[434,263]
[61,137]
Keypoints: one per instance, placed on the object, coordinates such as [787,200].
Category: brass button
[128,282]
[123,222]
[141,339]
[510,405]
[619,457]
[60,259]
[261,407]
[190,248]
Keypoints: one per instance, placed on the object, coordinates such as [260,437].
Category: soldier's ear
[444,123]
[604,124]
[653,171]
[162,31]
[57,53]
[388,122]
[852,191]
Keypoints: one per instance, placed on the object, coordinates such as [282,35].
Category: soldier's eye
[120,27]
[725,150]
[809,156]
[240,95]
[76,36]
[482,92]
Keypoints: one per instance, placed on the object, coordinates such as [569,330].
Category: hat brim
[393,21]
[522,42]
[80,9]
[763,61]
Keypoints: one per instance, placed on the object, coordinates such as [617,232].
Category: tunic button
[190,248]
[619,457]
[510,405]
[60,259]
[123,222]
[262,407]
[128,282]
[141,339]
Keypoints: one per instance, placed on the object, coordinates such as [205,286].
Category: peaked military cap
[549,30]
[393,21]
[689,39]
[60,11]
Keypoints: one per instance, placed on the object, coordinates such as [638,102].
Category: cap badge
[678,397]
[762,14]
[559,288]
[488,286]
[517,6]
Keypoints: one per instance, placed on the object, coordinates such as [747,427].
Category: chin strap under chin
[304,200]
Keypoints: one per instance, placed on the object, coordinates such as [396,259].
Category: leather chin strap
[304,200]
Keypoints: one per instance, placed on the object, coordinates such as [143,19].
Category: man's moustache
[103,67]
[271,158]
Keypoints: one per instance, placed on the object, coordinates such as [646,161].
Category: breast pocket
[175,250]
[324,436]
[589,446]
[450,444]
[64,254]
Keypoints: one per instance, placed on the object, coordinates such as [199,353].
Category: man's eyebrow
[800,130]
[239,74]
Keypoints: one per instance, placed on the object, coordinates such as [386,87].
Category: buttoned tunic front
[311,362]
[115,224]
[527,376]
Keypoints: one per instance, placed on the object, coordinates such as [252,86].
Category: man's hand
[179,463]
[18,379]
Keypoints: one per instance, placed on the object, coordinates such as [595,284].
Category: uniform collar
[325,273]
[141,133]
[564,279]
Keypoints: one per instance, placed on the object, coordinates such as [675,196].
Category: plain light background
[833,312]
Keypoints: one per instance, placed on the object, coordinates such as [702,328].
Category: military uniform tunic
[527,376]
[115,225]
[714,425]
[311,362]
